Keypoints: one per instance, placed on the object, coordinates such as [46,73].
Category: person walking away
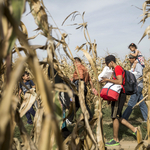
[136,53]
[29,84]
[84,76]
[64,99]
[117,106]
[138,96]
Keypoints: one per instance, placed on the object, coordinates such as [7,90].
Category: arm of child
[135,54]
[32,84]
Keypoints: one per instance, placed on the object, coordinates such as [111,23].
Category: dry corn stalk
[146,14]
[46,128]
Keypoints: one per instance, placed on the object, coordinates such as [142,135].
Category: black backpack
[130,83]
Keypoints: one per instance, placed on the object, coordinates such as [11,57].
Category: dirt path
[124,145]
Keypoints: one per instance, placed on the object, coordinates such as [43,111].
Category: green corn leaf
[17,10]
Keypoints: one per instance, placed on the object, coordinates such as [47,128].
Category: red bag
[110,91]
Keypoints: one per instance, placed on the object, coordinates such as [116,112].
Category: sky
[114,24]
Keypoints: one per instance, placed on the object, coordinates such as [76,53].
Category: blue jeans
[133,100]
[30,111]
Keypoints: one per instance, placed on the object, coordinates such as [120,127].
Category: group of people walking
[137,64]
[81,73]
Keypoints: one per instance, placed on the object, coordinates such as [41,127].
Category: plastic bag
[134,72]
[106,73]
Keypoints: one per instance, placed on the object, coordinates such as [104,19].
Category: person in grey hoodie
[138,96]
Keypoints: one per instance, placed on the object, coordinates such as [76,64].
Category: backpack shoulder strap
[23,84]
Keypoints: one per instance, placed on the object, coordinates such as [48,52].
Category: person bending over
[117,106]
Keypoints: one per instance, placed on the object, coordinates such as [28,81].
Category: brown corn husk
[47,123]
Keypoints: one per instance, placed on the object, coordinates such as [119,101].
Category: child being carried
[136,53]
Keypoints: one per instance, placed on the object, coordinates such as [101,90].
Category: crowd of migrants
[81,73]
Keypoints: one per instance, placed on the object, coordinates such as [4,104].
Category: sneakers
[135,133]
[112,142]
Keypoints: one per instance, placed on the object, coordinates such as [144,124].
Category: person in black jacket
[62,95]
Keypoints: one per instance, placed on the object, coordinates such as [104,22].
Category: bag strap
[23,84]
[109,88]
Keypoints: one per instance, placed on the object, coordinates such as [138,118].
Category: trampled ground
[127,139]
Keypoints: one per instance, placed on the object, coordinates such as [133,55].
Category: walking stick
[140,101]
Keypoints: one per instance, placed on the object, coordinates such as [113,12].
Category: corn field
[48,120]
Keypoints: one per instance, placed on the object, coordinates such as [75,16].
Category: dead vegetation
[47,122]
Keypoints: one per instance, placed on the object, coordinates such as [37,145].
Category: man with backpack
[29,84]
[117,106]
[137,96]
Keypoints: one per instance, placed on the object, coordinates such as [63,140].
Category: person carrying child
[29,84]
[137,96]
[136,53]
[117,106]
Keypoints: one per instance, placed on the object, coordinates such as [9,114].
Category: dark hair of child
[25,73]
[132,45]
